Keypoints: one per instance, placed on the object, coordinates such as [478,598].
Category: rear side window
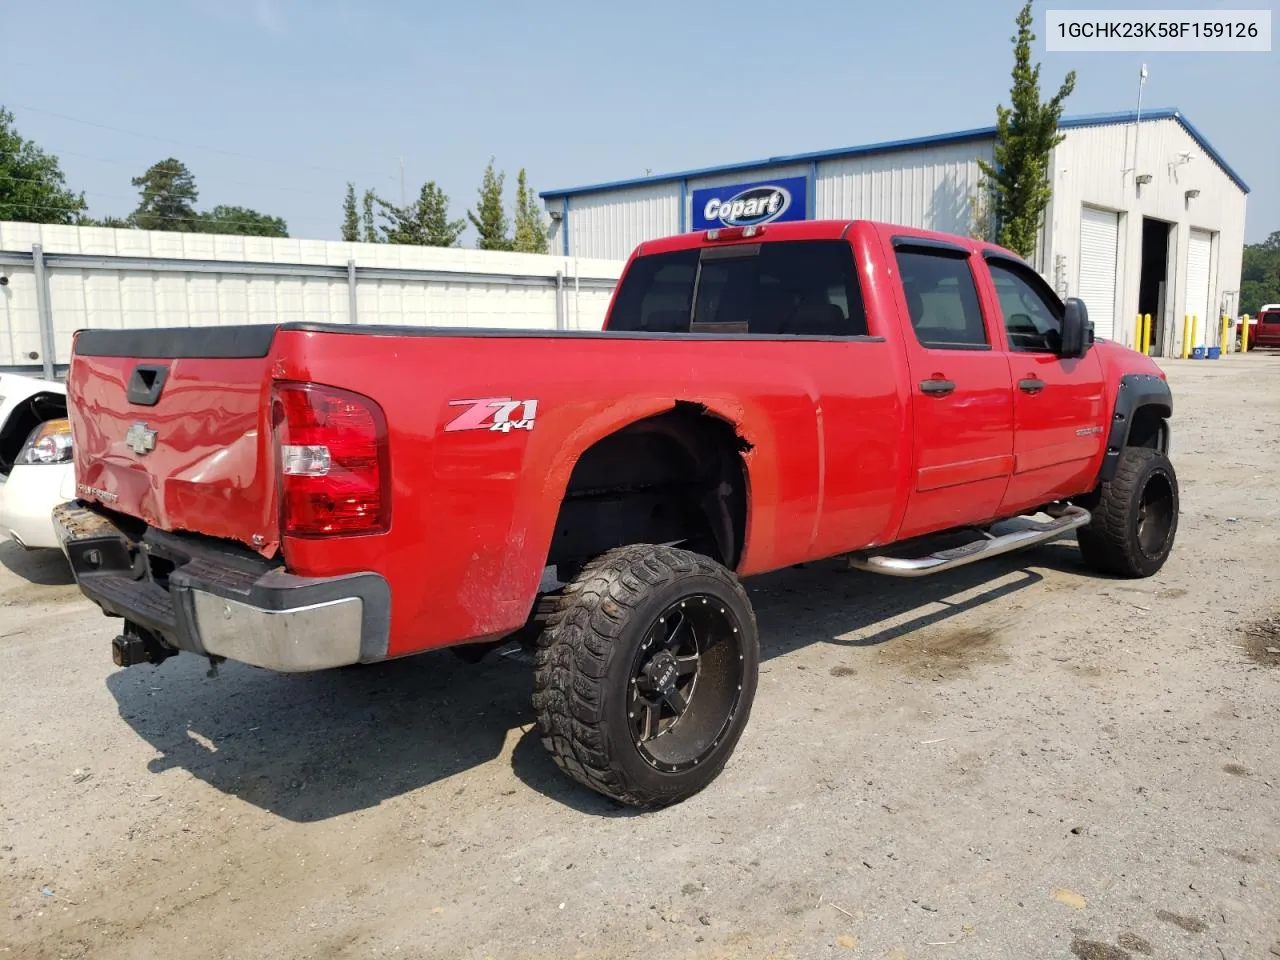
[943,300]
[804,288]
[1269,316]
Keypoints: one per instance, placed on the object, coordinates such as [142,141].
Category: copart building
[1146,216]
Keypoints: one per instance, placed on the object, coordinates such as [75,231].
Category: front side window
[803,288]
[942,300]
[1033,323]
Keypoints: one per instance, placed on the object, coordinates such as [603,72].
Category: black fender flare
[1136,390]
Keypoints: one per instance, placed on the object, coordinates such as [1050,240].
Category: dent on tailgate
[209,467]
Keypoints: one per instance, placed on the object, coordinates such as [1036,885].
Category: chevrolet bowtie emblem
[140,438]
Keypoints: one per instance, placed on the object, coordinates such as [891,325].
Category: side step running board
[1027,533]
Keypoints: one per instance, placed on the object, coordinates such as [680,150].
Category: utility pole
[404,201]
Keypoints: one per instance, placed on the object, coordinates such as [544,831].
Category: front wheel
[1135,517]
[645,674]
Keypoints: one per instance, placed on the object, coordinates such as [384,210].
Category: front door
[1058,404]
[960,392]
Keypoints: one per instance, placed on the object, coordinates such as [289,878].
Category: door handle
[1030,385]
[937,387]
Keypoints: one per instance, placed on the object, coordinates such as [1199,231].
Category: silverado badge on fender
[140,438]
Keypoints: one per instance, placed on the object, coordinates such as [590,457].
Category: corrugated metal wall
[1089,169]
[116,298]
[927,188]
[610,225]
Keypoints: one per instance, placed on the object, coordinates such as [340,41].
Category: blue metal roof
[892,146]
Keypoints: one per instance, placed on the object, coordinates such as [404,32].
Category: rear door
[961,396]
[1058,405]
[170,427]
[1099,246]
[1199,257]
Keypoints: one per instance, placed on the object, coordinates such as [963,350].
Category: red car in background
[1266,331]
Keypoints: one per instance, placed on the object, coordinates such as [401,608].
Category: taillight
[331,449]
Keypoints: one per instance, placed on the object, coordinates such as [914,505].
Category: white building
[1163,235]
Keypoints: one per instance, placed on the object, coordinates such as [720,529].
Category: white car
[36,472]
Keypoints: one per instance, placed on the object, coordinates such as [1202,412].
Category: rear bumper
[27,498]
[218,600]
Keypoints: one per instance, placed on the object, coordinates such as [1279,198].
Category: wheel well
[1149,428]
[675,477]
[26,416]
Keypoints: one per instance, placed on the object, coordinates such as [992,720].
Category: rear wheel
[645,674]
[1135,516]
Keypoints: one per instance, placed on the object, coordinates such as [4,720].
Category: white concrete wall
[1089,168]
[141,298]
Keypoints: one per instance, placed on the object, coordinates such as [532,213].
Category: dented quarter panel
[474,510]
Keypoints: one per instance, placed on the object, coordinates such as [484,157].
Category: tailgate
[170,427]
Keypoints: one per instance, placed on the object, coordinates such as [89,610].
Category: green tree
[367,217]
[119,223]
[433,213]
[241,221]
[32,187]
[169,194]
[1026,133]
[531,229]
[491,222]
[350,216]
[1260,275]
[425,222]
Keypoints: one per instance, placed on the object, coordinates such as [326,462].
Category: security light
[1142,178]
[1191,194]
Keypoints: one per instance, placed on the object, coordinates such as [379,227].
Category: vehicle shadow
[44,568]
[309,747]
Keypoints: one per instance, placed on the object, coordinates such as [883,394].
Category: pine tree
[424,223]
[370,228]
[1026,133]
[169,194]
[433,216]
[350,216]
[531,229]
[491,224]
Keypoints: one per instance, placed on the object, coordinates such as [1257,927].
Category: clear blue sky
[298,96]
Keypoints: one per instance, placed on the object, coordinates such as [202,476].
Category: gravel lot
[1017,760]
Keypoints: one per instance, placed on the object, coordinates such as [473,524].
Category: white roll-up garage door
[1199,248]
[1099,243]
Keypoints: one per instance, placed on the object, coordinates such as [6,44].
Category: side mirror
[1077,330]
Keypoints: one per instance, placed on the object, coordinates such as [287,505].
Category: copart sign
[747,204]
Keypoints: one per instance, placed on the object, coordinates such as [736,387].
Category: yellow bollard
[1244,335]
[1137,335]
[1146,335]
[1226,331]
[1186,336]
[1195,329]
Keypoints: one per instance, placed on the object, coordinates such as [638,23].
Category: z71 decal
[493,413]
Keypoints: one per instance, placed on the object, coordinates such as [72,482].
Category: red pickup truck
[308,496]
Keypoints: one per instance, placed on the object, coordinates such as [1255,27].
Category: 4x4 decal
[493,413]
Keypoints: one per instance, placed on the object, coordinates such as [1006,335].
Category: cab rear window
[805,288]
[1269,316]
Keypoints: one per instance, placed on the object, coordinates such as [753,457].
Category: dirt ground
[1017,760]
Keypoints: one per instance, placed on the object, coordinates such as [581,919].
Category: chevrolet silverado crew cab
[309,496]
